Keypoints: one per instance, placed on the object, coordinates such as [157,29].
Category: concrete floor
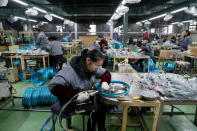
[33,121]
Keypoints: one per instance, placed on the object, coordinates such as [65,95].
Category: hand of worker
[105,86]
[83,96]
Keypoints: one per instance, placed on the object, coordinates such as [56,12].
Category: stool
[55,109]
[181,66]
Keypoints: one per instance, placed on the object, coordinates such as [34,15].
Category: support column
[125,26]
[25,28]
[111,30]
[76,31]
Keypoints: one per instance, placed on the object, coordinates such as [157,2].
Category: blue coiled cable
[38,96]
[113,95]
[35,77]
[22,77]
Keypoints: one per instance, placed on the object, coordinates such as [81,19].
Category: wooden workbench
[131,78]
[131,57]
[23,57]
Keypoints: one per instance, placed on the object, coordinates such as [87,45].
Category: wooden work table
[23,57]
[131,78]
[115,58]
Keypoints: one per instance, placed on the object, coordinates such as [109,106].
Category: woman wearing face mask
[79,75]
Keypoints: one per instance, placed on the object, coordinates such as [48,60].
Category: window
[170,29]
[152,30]
[92,29]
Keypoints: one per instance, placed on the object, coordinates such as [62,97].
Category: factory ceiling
[93,11]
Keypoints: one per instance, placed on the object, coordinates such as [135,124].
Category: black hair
[100,36]
[93,54]
[103,42]
[52,38]
[37,29]
[188,32]
[173,37]
[147,39]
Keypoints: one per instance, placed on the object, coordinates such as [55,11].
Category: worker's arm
[61,88]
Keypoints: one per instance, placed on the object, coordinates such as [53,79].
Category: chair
[165,55]
[79,108]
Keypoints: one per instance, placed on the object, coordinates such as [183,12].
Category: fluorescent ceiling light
[179,10]
[122,9]
[130,1]
[41,10]
[153,18]
[195,14]
[21,18]
[174,23]
[57,16]
[32,20]
[21,2]
[187,21]
[144,21]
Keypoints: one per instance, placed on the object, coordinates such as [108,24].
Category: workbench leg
[144,65]
[159,119]
[12,62]
[124,119]
[195,117]
[48,61]
[22,63]
[148,64]
[156,118]
[44,62]
[114,64]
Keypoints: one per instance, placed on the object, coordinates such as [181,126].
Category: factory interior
[98,65]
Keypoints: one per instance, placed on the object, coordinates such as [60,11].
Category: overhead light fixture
[144,21]
[41,10]
[187,21]
[32,20]
[31,12]
[180,24]
[174,23]
[57,16]
[122,9]
[191,10]
[21,18]
[115,16]
[168,17]
[147,22]
[153,18]
[12,19]
[43,22]
[48,17]
[110,22]
[21,2]
[139,23]
[3,3]
[178,10]
[130,1]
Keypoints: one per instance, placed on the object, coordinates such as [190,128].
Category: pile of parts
[172,85]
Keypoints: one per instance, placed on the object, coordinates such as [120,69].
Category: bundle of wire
[113,95]
[22,76]
[40,77]
[38,96]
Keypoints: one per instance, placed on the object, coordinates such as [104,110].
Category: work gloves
[105,86]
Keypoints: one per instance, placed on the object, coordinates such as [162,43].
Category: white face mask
[96,67]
